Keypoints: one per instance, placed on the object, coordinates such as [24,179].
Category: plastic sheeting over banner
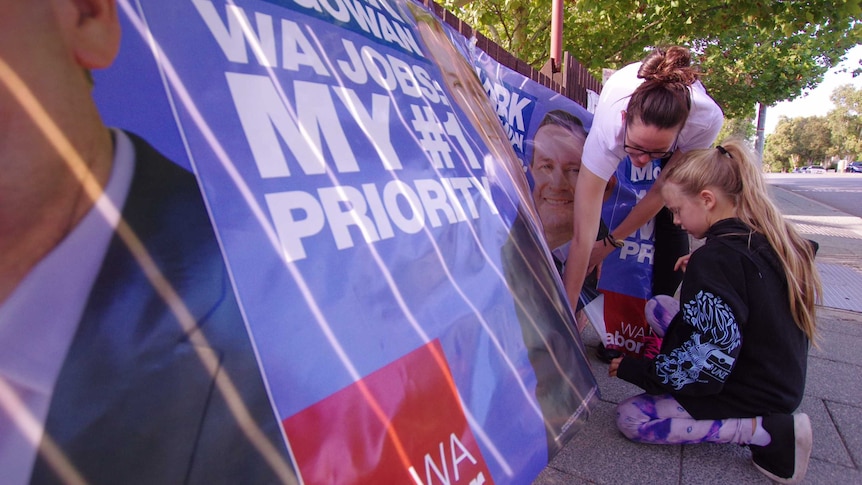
[378,228]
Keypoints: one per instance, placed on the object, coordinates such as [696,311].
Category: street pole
[556,35]
[761,137]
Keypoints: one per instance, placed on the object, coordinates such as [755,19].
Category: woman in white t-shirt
[655,109]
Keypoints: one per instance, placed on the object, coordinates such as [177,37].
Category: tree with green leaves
[742,128]
[845,122]
[778,154]
[751,52]
[801,141]
[798,142]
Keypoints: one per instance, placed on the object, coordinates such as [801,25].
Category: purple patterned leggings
[662,420]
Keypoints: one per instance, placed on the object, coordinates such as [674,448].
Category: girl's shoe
[785,458]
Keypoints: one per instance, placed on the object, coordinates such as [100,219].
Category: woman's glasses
[636,152]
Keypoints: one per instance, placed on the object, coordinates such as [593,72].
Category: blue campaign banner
[615,301]
[635,258]
[522,104]
[626,280]
[525,107]
[377,226]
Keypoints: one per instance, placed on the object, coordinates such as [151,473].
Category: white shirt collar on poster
[39,319]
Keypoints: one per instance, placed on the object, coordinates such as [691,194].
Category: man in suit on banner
[123,354]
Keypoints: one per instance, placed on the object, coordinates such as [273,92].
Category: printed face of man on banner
[557,149]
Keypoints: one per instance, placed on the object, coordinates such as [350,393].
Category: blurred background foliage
[750,52]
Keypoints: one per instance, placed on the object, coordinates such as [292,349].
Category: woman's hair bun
[669,65]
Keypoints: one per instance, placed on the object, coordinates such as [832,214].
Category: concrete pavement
[833,395]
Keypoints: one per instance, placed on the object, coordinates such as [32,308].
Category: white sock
[760,437]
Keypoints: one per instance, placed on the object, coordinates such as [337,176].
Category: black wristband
[610,239]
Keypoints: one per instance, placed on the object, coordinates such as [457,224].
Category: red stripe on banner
[625,323]
[401,424]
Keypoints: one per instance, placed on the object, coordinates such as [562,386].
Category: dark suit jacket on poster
[133,403]
[565,386]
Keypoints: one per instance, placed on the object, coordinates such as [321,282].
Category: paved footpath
[833,394]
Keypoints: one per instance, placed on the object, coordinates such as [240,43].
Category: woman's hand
[601,250]
[614,366]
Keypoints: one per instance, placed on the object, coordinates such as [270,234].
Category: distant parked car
[854,167]
[815,169]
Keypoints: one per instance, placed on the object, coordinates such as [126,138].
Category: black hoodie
[734,349]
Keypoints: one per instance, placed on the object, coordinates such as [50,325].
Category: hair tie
[723,151]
